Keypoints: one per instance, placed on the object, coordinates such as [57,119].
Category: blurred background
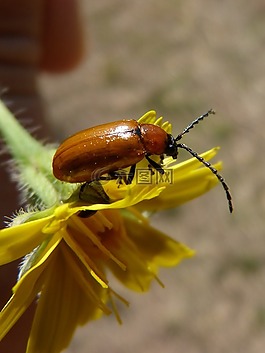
[182,58]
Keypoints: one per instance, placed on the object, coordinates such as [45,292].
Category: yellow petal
[133,195]
[142,249]
[93,290]
[61,308]
[186,186]
[138,274]
[155,246]
[91,267]
[17,241]
[25,291]
[81,227]
[20,301]
[148,118]
[191,163]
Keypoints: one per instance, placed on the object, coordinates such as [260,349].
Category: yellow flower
[67,248]
[68,263]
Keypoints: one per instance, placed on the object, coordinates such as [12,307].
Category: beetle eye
[171,148]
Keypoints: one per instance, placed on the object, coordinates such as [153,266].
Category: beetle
[108,148]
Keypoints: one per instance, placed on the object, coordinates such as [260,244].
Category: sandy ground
[181,58]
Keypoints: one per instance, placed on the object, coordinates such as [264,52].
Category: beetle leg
[155,165]
[151,169]
[121,175]
[131,174]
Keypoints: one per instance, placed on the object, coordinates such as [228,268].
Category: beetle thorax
[153,138]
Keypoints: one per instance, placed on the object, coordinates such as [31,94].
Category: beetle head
[171,147]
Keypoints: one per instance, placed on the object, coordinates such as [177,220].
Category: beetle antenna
[192,124]
[213,170]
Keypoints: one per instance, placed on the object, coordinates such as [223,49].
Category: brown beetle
[109,148]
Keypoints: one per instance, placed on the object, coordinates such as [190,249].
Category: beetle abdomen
[93,152]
